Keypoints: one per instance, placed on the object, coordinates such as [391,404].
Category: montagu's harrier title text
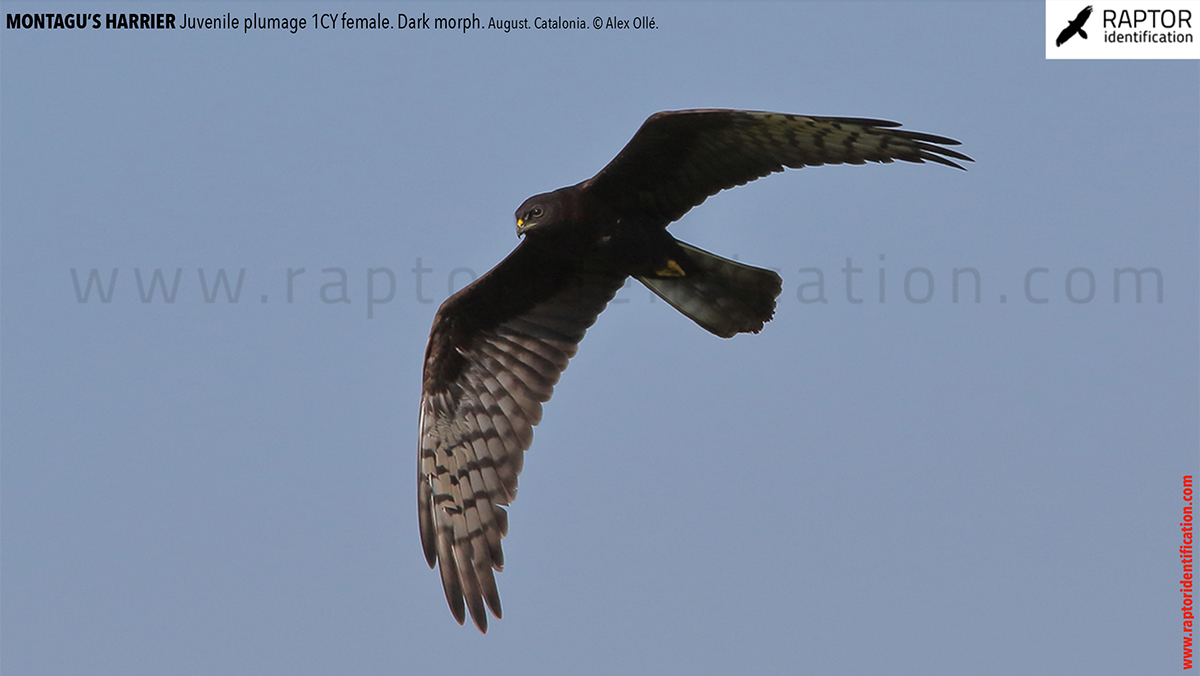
[342,21]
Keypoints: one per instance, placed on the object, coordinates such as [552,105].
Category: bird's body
[498,346]
[588,231]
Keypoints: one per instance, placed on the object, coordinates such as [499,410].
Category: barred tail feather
[723,296]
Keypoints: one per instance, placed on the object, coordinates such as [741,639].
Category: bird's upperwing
[677,159]
[496,350]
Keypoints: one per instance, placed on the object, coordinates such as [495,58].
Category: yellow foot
[671,269]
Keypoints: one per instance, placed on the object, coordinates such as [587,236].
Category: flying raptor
[498,346]
[1074,27]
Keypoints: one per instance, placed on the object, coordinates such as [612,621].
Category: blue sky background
[879,488]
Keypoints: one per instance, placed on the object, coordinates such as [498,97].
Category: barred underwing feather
[677,159]
[512,358]
[477,420]
[536,362]
[425,522]
[449,571]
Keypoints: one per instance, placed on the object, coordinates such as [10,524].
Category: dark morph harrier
[1074,27]
[498,346]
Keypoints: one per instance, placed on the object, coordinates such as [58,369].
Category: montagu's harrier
[497,347]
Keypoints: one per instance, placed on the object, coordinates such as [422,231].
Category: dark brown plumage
[498,347]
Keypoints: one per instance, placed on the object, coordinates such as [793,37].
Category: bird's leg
[671,269]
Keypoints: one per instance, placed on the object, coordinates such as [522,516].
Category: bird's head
[535,211]
[550,211]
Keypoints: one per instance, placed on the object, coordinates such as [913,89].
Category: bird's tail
[723,296]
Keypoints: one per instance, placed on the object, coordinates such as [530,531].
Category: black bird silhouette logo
[1074,27]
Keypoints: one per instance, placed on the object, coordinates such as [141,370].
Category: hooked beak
[521,227]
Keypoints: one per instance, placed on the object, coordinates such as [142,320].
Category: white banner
[1148,29]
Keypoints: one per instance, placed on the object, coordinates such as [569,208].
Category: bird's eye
[537,212]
